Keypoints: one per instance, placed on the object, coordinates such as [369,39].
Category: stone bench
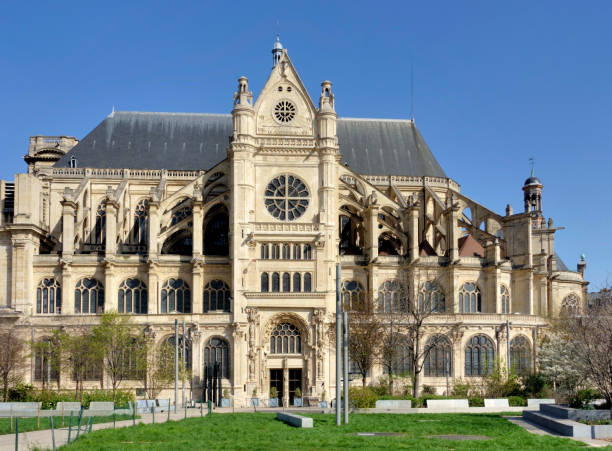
[145,405]
[19,405]
[294,420]
[496,402]
[393,404]
[447,403]
[67,407]
[163,404]
[537,402]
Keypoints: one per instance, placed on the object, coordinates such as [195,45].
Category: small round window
[286,197]
[284,111]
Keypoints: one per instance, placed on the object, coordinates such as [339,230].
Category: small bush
[362,397]
[517,401]
[121,397]
[534,385]
[298,393]
[428,390]
[583,397]
[476,401]
[464,389]
[273,392]
[21,393]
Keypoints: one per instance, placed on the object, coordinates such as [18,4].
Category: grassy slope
[31,424]
[262,431]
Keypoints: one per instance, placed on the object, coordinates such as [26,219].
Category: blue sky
[494,83]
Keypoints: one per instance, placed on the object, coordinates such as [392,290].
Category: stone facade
[257,257]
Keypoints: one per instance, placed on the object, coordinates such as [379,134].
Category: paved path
[42,439]
[539,430]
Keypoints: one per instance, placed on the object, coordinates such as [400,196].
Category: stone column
[111,227]
[153,227]
[110,287]
[198,219]
[68,209]
[196,285]
[68,284]
[452,214]
[153,289]
[413,231]
[372,232]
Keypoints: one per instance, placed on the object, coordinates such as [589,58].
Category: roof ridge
[172,113]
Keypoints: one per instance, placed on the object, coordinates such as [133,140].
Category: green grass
[261,431]
[31,424]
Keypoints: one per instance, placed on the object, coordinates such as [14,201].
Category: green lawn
[31,424]
[261,431]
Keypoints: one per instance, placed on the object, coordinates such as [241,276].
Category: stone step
[554,411]
[565,427]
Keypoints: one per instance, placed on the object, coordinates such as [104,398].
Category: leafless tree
[159,367]
[76,349]
[12,358]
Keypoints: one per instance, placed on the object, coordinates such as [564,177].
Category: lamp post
[338,340]
[176,366]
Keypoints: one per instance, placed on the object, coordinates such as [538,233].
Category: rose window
[286,197]
[284,111]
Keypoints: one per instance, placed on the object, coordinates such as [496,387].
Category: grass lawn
[261,431]
[31,424]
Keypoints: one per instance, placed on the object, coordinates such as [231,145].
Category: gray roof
[138,140]
[561,266]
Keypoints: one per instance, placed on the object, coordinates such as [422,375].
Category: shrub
[273,392]
[582,398]
[382,387]
[121,397]
[298,393]
[476,401]
[517,401]
[21,393]
[534,385]
[428,390]
[463,389]
[362,397]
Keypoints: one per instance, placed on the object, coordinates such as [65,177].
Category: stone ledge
[294,420]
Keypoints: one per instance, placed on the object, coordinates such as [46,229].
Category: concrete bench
[496,402]
[447,403]
[102,407]
[19,405]
[163,404]
[537,402]
[67,407]
[145,405]
[294,420]
[393,404]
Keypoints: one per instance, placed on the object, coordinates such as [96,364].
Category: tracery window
[438,362]
[479,356]
[216,296]
[99,231]
[505,299]
[216,233]
[265,251]
[265,282]
[132,297]
[49,297]
[286,252]
[286,282]
[175,297]
[297,282]
[89,296]
[391,297]
[217,351]
[297,252]
[275,282]
[275,252]
[180,214]
[570,305]
[307,282]
[402,357]
[46,362]
[284,111]
[520,355]
[285,339]
[286,197]
[431,298]
[169,344]
[307,252]
[139,231]
[353,295]
[130,368]
[470,300]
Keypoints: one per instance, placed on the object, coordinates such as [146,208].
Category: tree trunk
[363,380]
[5,389]
[415,385]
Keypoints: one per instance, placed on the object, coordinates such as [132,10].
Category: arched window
[265,252]
[402,357]
[286,282]
[297,252]
[132,297]
[275,282]
[130,368]
[217,351]
[46,362]
[470,300]
[175,297]
[139,232]
[89,296]
[353,295]
[505,299]
[49,297]
[297,282]
[570,305]
[520,355]
[216,234]
[391,297]
[286,252]
[265,282]
[99,231]
[438,359]
[180,214]
[479,356]
[307,252]
[431,298]
[216,296]
[285,339]
[307,282]
[169,345]
[275,252]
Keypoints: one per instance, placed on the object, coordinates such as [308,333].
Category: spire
[277,50]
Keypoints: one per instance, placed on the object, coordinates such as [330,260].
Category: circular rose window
[284,111]
[286,197]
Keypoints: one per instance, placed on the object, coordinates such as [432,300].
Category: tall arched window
[297,282]
[431,298]
[216,296]
[99,231]
[216,234]
[46,362]
[217,351]
[175,297]
[353,295]
[275,252]
[169,345]
[275,282]
[307,282]
[89,296]
[402,357]
[265,282]
[132,297]
[307,252]
[391,297]
[438,361]
[479,356]
[49,297]
[139,232]
[520,355]
[570,305]
[297,251]
[180,214]
[470,300]
[285,339]
[265,251]
[286,252]
[286,282]
[505,299]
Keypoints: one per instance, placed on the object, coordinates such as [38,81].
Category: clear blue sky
[495,83]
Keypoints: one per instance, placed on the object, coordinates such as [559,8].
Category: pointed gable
[469,247]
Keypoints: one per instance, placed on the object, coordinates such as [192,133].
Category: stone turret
[46,150]
[532,189]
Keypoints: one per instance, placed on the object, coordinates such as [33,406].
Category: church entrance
[276,381]
[295,381]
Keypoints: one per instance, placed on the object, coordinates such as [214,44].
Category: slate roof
[140,140]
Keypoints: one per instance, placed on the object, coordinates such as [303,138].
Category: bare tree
[12,358]
[76,350]
[158,367]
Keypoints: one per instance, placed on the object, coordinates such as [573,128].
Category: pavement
[539,430]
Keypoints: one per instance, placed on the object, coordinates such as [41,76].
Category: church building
[234,224]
